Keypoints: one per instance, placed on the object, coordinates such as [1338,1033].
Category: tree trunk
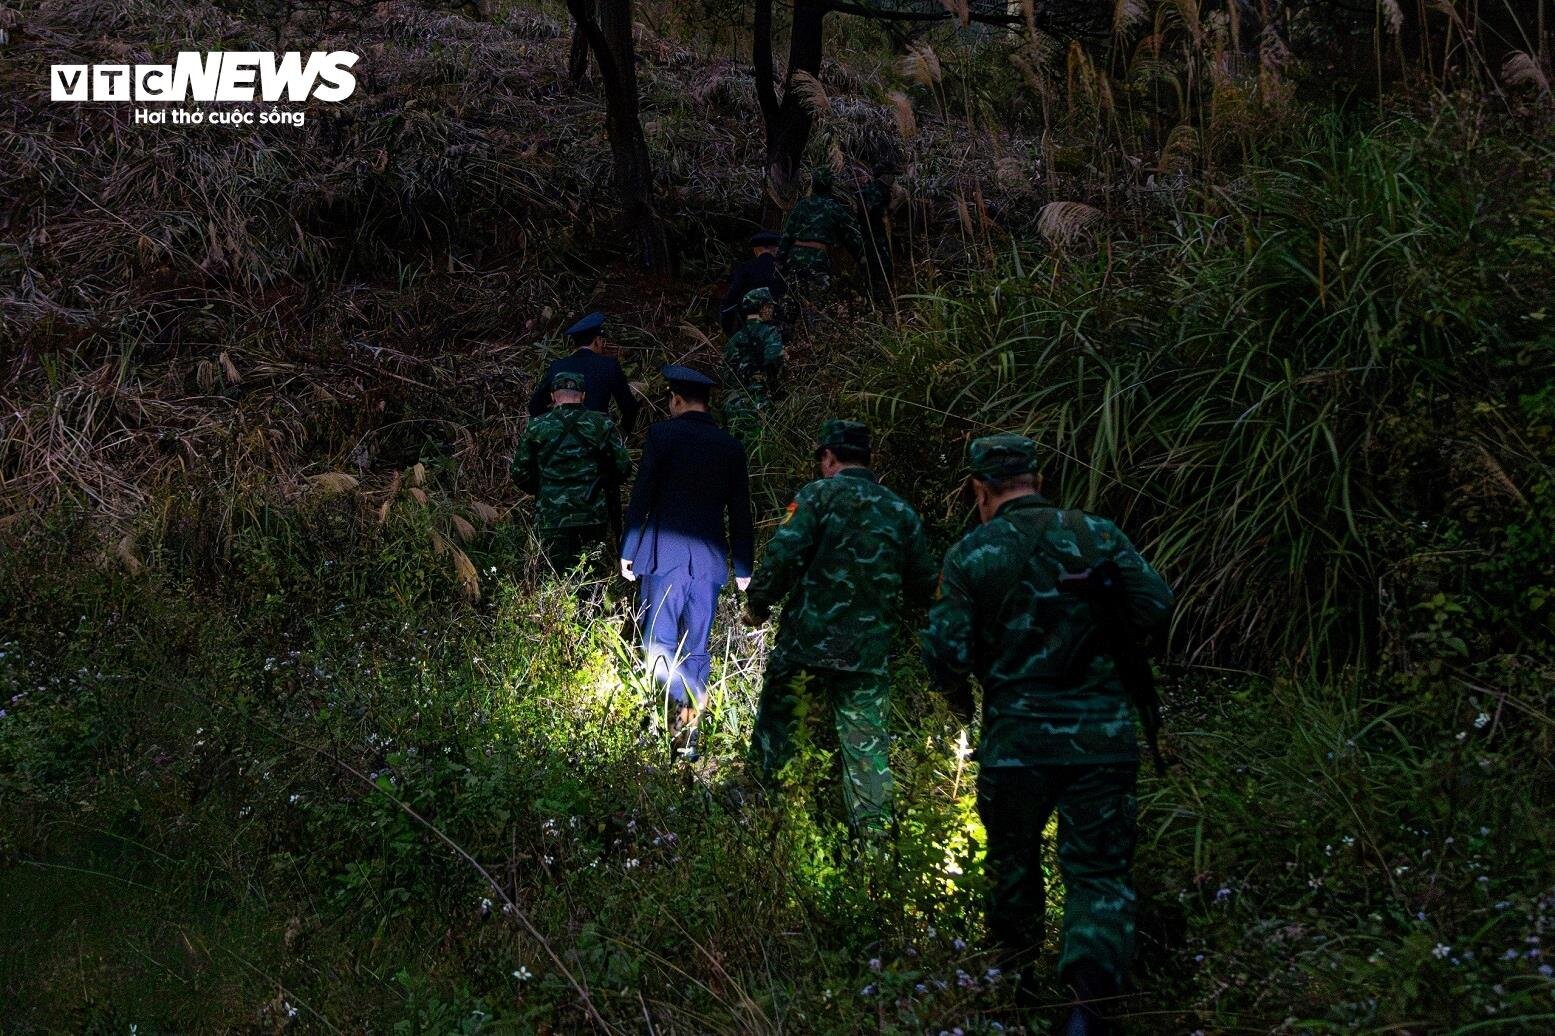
[788,126]
[615,56]
[761,58]
[578,55]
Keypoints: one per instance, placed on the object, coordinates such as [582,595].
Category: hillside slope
[296,734]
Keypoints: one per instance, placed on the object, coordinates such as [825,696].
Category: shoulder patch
[789,511]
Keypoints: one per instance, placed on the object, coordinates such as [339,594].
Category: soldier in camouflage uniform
[1057,729]
[753,357]
[847,551]
[875,203]
[570,458]
[816,225]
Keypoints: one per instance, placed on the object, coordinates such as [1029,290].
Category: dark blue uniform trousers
[676,616]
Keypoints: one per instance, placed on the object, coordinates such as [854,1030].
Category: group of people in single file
[1056,730]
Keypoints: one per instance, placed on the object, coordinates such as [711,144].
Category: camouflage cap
[1001,456]
[843,433]
[567,381]
[756,298]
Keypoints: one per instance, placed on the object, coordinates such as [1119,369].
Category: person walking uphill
[847,552]
[693,477]
[603,380]
[753,358]
[571,460]
[876,200]
[1056,728]
[816,226]
[759,271]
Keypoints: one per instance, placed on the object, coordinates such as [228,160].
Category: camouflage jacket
[847,550]
[754,353]
[569,458]
[875,202]
[821,218]
[1000,616]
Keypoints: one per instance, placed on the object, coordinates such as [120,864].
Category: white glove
[626,570]
[742,583]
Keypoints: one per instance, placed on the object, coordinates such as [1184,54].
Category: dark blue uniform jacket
[692,475]
[760,272]
[602,382]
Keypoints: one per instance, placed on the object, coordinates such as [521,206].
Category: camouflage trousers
[877,258]
[810,267]
[744,411]
[1096,833]
[858,704]
[564,548]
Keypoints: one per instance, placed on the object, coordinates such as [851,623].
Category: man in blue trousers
[691,479]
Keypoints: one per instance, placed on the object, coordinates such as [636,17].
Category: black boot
[1094,990]
[1082,1020]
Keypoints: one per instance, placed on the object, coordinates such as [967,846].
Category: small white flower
[291,1012]
[1442,951]
[523,974]
[1482,721]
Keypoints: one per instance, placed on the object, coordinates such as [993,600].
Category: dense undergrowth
[294,734]
[1294,388]
[222,808]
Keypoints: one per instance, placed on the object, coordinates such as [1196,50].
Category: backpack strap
[1073,518]
[570,434]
